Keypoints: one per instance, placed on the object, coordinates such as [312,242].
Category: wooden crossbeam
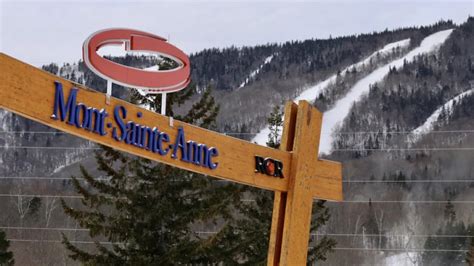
[30,92]
[296,174]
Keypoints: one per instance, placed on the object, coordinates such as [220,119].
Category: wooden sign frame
[77,110]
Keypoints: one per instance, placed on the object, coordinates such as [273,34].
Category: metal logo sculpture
[147,81]
[139,41]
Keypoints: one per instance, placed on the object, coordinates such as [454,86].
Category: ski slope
[256,71]
[334,117]
[429,124]
[310,94]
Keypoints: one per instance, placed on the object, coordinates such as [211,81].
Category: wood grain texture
[299,201]
[279,200]
[310,177]
[29,92]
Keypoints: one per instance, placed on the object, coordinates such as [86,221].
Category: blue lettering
[85,116]
[152,141]
[118,119]
[162,137]
[93,120]
[100,122]
[146,137]
[59,106]
[193,151]
[212,152]
[180,144]
[130,135]
[204,155]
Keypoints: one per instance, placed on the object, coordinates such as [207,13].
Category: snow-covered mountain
[334,117]
[311,93]
[373,88]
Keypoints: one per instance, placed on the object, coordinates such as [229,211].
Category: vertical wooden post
[279,200]
[309,177]
[300,200]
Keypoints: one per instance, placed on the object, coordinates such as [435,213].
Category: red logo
[134,40]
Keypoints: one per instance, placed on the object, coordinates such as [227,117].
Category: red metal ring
[162,81]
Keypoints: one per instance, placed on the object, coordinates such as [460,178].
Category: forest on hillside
[406,195]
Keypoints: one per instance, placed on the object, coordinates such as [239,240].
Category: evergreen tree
[147,210]
[6,257]
[275,122]
[451,227]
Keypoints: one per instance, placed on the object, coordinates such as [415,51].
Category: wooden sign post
[309,178]
[294,172]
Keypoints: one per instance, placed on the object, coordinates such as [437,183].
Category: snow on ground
[68,70]
[147,105]
[152,68]
[431,121]
[334,117]
[72,157]
[310,94]
[256,71]
[4,120]
[402,259]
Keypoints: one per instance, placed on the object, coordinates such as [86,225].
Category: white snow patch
[145,105]
[59,168]
[431,121]
[3,120]
[262,136]
[256,71]
[152,68]
[310,94]
[402,259]
[66,71]
[334,117]
[389,47]
[144,94]
[72,157]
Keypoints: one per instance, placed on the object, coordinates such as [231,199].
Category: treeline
[227,68]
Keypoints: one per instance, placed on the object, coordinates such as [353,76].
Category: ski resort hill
[398,112]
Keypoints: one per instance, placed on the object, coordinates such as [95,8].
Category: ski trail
[313,92]
[256,71]
[431,121]
[334,117]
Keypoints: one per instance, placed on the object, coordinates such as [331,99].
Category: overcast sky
[41,32]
